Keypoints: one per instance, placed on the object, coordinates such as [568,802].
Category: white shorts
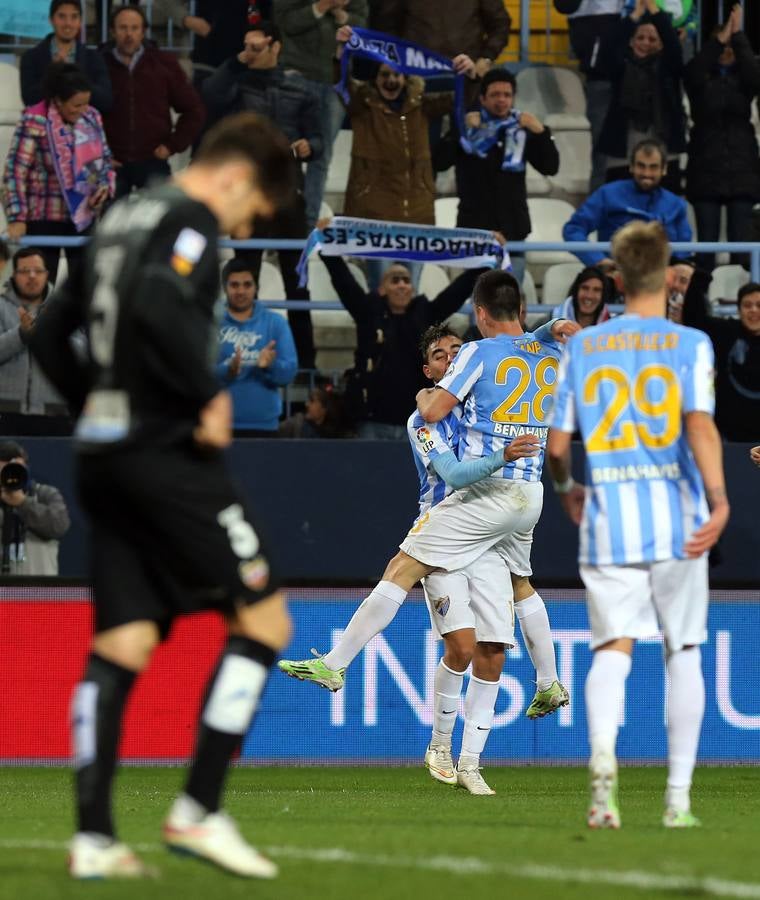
[478,597]
[641,600]
[453,534]
[515,551]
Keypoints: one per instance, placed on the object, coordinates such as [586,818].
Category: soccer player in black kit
[169,534]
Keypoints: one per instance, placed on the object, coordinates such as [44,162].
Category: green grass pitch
[395,833]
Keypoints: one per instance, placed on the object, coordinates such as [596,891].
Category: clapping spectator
[64,45]
[28,402]
[645,62]
[737,357]
[491,175]
[642,196]
[724,163]
[257,355]
[148,84]
[309,31]
[590,293]
[58,173]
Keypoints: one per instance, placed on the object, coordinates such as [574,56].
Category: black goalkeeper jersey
[145,296]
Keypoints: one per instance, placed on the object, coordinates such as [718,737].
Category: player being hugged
[640,389]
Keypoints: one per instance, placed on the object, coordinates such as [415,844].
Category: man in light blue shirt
[640,197]
[257,355]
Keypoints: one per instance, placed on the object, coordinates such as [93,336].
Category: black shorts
[170,536]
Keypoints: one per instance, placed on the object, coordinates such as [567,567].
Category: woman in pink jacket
[58,173]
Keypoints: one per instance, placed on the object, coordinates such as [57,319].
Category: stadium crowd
[673,140]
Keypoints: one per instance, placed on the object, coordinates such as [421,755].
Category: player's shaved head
[641,251]
[498,293]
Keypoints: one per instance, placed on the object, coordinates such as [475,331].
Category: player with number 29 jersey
[626,384]
[506,383]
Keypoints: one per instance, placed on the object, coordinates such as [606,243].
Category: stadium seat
[529,289]
[271,285]
[547,217]
[557,282]
[555,95]
[446,212]
[726,282]
[537,185]
[337,173]
[433,280]
[10,94]
[574,149]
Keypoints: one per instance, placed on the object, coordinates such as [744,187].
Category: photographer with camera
[33,517]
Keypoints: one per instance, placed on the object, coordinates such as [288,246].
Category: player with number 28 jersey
[506,383]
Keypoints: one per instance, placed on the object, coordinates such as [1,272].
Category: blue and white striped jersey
[626,384]
[505,383]
[429,440]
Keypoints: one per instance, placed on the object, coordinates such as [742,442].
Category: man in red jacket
[147,85]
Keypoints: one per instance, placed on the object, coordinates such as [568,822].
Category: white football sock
[686,707]
[605,696]
[479,703]
[537,634]
[376,612]
[448,687]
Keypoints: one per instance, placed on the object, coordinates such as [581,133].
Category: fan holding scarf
[497,144]
[58,173]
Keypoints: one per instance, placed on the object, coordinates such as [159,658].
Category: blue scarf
[466,248]
[404,57]
[478,141]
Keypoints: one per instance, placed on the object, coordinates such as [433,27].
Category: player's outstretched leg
[547,701]
[195,825]
[448,687]
[686,707]
[314,670]
[605,696]
[97,710]
[530,611]
[374,614]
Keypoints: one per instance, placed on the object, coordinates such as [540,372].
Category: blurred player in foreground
[640,389]
[169,533]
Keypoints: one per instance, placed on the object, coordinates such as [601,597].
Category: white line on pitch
[469,865]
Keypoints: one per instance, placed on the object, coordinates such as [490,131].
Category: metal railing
[750,248]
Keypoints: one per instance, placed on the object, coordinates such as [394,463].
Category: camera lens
[14,477]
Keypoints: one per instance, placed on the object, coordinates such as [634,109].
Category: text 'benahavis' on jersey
[507,381]
[626,384]
[152,350]
[428,441]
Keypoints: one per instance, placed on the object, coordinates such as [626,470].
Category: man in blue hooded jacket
[639,197]
[257,355]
